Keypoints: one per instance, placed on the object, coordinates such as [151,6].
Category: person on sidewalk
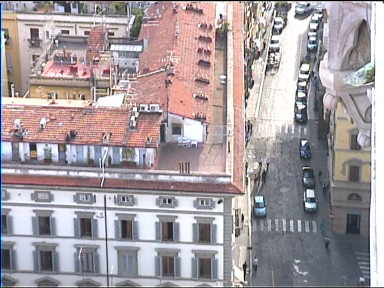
[245,270]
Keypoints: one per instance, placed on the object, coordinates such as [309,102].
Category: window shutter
[33,196]
[35,227]
[195,231]
[117,230]
[213,233]
[135,230]
[10,225]
[194,268]
[174,203]
[158,201]
[94,229]
[177,266]
[35,261]
[211,204]
[94,198]
[13,259]
[96,259]
[76,227]
[195,204]
[176,232]
[131,264]
[75,198]
[214,268]
[115,200]
[53,226]
[157,231]
[157,265]
[135,264]
[120,263]
[51,197]
[77,262]
[55,261]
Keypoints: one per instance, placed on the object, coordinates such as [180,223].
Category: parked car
[259,206]
[319,12]
[278,25]
[310,201]
[313,27]
[305,149]
[301,115]
[274,46]
[308,177]
[312,44]
[312,34]
[302,86]
[304,73]
[302,9]
[301,96]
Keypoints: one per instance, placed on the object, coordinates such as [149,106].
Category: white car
[304,72]
[312,34]
[310,201]
[313,27]
[278,24]
[274,46]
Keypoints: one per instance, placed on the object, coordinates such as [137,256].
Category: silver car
[310,201]
[259,206]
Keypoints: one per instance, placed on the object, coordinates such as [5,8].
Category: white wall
[64,208]
[191,129]
[6,150]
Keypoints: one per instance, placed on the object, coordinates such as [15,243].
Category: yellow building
[12,55]
[350,177]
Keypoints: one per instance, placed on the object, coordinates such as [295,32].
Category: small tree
[135,30]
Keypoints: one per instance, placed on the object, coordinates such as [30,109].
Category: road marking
[362,253]
[284,225]
[276,225]
[305,131]
[364,267]
[269,224]
[289,129]
[314,226]
[307,226]
[261,226]
[298,225]
[286,129]
[291,227]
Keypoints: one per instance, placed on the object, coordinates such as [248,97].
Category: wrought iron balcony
[34,42]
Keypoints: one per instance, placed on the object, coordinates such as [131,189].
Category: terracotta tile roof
[238,94]
[120,184]
[175,41]
[79,70]
[89,123]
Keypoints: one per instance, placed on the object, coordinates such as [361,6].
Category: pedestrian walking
[326,242]
[242,218]
[245,270]
[255,264]
[263,176]
[320,173]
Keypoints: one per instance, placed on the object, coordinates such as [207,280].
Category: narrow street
[289,243]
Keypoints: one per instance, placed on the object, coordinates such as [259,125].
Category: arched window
[127,283]
[47,282]
[354,197]
[87,283]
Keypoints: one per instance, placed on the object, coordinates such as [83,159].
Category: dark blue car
[305,149]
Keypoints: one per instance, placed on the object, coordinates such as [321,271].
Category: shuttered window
[168,263]
[354,173]
[46,258]
[204,231]
[6,259]
[86,260]
[127,262]
[204,266]
[43,224]
[85,226]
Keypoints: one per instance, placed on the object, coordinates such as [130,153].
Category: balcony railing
[34,42]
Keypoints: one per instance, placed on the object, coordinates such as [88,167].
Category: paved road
[289,243]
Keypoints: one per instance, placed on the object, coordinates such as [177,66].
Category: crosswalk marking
[277,225]
[363,261]
[289,225]
[286,129]
[306,226]
[314,226]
